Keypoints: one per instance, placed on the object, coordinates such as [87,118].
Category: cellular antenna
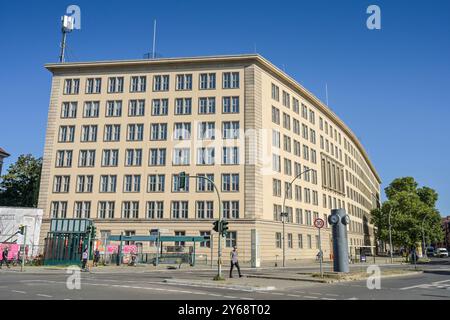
[67,27]
[154,39]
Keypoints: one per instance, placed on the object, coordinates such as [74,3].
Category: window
[108,183]
[275,92]
[205,185]
[176,184]
[275,115]
[204,209]
[296,126]
[230,209]
[317,242]
[82,209]
[136,108]
[276,140]
[286,121]
[93,85]
[115,85]
[286,143]
[230,105]
[106,209]
[132,183]
[71,86]
[276,163]
[288,190]
[158,131]
[155,209]
[181,156]
[309,241]
[230,80]
[300,241]
[182,131]
[230,130]
[135,132]
[286,100]
[312,117]
[289,242]
[133,157]
[299,216]
[156,183]
[85,183]
[277,212]
[114,108]
[304,112]
[207,105]
[296,105]
[157,157]
[206,130]
[58,209]
[287,167]
[130,209]
[61,184]
[231,239]
[63,158]
[110,157]
[184,82]
[278,240]
[87,158]
[160,107]
[230,182]
[161,83]
[179,209]
[276,186]
[138,84]
[91,109]
[205,156]
[183,106]
[205,244]
[230,155]
[89,133]
[112,133]
[66,134]
[207,81]
[69,110]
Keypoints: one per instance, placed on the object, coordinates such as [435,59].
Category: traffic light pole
[219,246]
[22,266]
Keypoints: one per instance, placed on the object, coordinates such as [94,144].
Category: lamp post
[390,235]
[284,214]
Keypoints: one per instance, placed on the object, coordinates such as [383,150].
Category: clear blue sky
[392,86]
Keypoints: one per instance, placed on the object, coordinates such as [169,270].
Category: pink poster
[112,248]
[13,250]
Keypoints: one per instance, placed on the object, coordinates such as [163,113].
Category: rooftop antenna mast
[154,39]
[67,27]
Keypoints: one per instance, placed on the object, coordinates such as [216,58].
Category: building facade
[120,132]
[3,155]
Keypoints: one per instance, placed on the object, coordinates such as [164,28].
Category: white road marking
[328,298]
[293,295]
[43,295]
[331,294]
[17,291]
[309,297]
[230,297]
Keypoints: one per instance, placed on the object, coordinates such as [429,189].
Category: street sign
[319,223]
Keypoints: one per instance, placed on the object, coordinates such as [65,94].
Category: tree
[20,185]
[409,207]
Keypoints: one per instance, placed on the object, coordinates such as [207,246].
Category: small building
[446,228]
[3,155]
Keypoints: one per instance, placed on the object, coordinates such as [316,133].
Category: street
[433,284]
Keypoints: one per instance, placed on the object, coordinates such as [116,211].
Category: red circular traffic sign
[319,223]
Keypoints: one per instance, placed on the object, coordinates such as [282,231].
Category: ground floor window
[278,239]
[231,239]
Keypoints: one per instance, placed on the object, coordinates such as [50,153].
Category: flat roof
[251,58]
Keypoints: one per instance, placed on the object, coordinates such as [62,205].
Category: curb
[218,285]
[287,278]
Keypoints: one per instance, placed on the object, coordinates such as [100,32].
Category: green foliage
[19,187]
[410,207]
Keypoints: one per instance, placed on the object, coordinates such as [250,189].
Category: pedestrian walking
[5,258]
[96,257]
[234,262]
[84,258]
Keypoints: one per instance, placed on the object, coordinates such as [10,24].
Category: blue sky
[391,86]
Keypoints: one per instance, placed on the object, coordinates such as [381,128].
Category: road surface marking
[245,298]
[230,297]
[328,298]
[309,297]
[293,295]
[331,294]
[277,293]
[44,295]
[17,291]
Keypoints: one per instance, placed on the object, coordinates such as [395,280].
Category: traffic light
[93,232]
[224,228]
[88,230]
[22,230]
[216,226]
[182,180]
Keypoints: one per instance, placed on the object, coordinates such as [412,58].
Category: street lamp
[390,227]
[284,214]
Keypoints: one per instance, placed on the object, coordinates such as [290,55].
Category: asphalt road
[151,286]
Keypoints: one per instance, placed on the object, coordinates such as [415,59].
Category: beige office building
[119,133]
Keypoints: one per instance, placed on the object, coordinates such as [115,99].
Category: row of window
[303,218]
[298,128]
[183,82]
[157,157]
[206,130]
[155,183]
[159,107]
[307,196]
[153,210]
[300,244]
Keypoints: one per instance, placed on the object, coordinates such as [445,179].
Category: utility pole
[284,214]
[23,248]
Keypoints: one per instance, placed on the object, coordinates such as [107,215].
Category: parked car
[441,253]
[430,252]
